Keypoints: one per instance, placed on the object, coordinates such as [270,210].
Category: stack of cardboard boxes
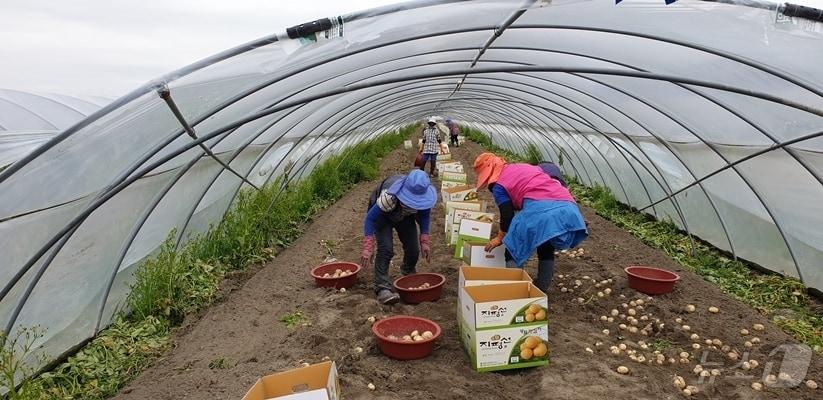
[501,315]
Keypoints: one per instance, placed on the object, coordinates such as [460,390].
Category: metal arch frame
[157,83]
[723,54]
[725,159]
[271,39]
[623,151]
[660,140]
[137,226]
[586,123]
[132,235]
[263,153]
[387,99]
[74,223]
[677,207]
[648,76]
[241,183]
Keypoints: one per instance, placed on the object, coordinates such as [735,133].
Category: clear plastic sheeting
[27,120]
[707,114]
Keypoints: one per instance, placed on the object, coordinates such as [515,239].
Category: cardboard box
[444,149]
[453,166]
[493,324]
[407,144]
[475,254]
[444,157]
[449,184]
[454,177]
[473,231]
[315,382]
[465,205]
[459,193]
[454,222]
[502,305]
[479,276]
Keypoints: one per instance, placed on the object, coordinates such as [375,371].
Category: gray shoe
[387,297]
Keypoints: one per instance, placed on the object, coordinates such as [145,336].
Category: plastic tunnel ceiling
[709,114]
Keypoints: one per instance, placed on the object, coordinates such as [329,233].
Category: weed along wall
[783,299]
[177,282]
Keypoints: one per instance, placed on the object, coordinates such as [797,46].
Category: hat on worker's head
[415,191]
[488,167]
[432,120]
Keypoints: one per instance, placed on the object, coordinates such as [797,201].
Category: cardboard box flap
[469,273]
[504,291]
[300,380]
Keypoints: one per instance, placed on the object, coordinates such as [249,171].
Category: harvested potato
[371,386]
[714,310]
[690,308]
[679,382]
[534,308]
[526,353]
[415,333]
[541,350]
[427,335]
[622,370]
[758,327]
[540,315]
[757,386]
[532,341]
[744,332]
[811,384]
[529,317]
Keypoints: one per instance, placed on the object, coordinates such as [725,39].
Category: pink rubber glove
[426,246]
[368,251]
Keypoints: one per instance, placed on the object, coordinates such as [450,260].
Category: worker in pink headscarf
[547,215]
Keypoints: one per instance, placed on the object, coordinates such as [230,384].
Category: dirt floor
[221,354]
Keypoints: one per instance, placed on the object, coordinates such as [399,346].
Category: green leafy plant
[14,350]
[220,363]
[292,319]
[533,155]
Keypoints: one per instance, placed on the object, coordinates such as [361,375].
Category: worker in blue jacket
[401,203]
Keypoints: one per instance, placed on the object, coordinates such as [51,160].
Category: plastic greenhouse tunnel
[718,130]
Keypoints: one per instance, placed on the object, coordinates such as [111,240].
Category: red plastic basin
[337,283]
[399,326]
[405,287]
[651,280]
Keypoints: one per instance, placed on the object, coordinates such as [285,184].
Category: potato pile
[338,273]
[535,313]
[414,336]
[425,285]
[531,347]
[577,253]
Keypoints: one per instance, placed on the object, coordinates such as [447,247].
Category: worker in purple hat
[400,203]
